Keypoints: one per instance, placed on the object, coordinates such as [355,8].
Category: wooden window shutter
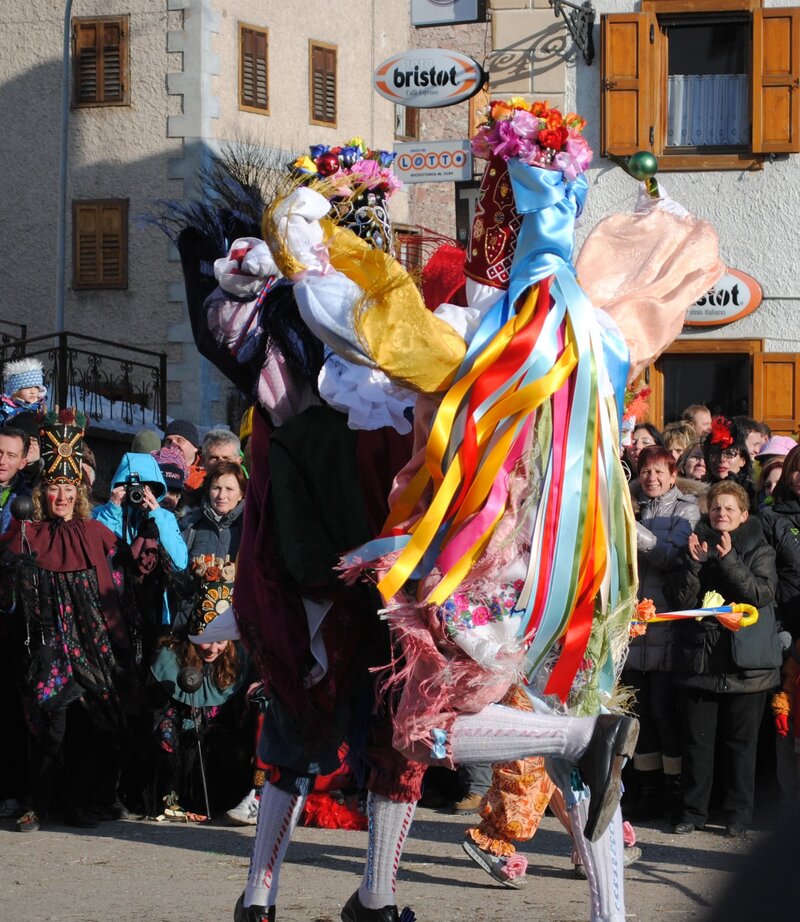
[86,63]
[776,390]
[627,107]
[112,62]
[253,83]
[776,78]
[323,85]
[100,244]
[100,61]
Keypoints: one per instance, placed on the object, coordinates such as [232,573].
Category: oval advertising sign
[734,296]
[427,78]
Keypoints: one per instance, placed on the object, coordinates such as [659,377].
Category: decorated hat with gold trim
[215,595]
[61,441]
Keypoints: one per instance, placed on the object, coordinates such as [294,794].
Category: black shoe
[613,740]
[736,830]
[115,811]
[242,913]
[354,912]
[80,820]
[685,828]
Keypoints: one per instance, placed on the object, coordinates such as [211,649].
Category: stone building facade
[178,101]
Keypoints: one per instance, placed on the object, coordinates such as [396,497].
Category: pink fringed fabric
[436,686]
[645,271]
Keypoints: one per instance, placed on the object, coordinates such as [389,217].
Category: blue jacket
[169,535]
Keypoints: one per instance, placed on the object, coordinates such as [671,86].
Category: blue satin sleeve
[549,207]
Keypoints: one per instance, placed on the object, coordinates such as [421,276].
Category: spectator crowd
[129,690]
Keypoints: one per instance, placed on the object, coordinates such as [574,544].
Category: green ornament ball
[642,165]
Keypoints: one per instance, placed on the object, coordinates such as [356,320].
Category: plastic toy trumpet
[732,617]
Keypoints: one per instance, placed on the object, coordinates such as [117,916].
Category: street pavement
[142,871]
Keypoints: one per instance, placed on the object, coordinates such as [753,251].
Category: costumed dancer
[509,552]
[63,578]
[317,487]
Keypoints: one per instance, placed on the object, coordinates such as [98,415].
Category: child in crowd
[24,388]
[216,712]
[723,677]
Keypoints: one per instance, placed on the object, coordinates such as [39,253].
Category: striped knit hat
[23,373]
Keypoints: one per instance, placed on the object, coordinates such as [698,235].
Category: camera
[134,490]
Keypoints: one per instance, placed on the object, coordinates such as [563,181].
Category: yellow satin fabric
[404,339]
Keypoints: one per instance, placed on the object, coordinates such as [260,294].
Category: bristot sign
[433,161]
[428,78]
[734,296]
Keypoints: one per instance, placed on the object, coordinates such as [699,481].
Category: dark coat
[708,656]
[205,533]
[781,523]
[664,525]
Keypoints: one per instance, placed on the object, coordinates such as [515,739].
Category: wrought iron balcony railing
[108,382]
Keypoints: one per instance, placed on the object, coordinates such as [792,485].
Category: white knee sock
[278,815]
[389,823]
[502,734]
[603,863]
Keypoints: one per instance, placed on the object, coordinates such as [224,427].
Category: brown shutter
[100,61]
[776,390]
[627,105]
[323,84]
[112,62]
[86,257]
[100,244]
[776,78]
[253,63]
[85,63]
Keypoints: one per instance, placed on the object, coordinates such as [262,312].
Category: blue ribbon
[438,750]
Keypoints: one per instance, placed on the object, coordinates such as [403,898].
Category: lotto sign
[433,161]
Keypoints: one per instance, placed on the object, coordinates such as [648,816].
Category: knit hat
[184,428]
[777,445]
[145,441]
[61,439]
[27,372]
[172,466]
[215,577]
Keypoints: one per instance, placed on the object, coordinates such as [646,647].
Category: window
[253,81]
[100,243]
[406,123]
[704,84]
[100,68]
[322,84]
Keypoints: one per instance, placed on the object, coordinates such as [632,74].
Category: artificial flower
[525,124]
[305,165]
[504,140]
[554,138]
[499,110]
[357,142]
[575,121]
[519,103]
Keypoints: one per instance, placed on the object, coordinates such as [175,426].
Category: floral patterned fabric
[71,653]
[515,803]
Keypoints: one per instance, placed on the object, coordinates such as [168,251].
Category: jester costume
[507,553]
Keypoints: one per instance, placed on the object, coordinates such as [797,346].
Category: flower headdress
[349,166]
[535,134]
[722,433]
[61,441]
